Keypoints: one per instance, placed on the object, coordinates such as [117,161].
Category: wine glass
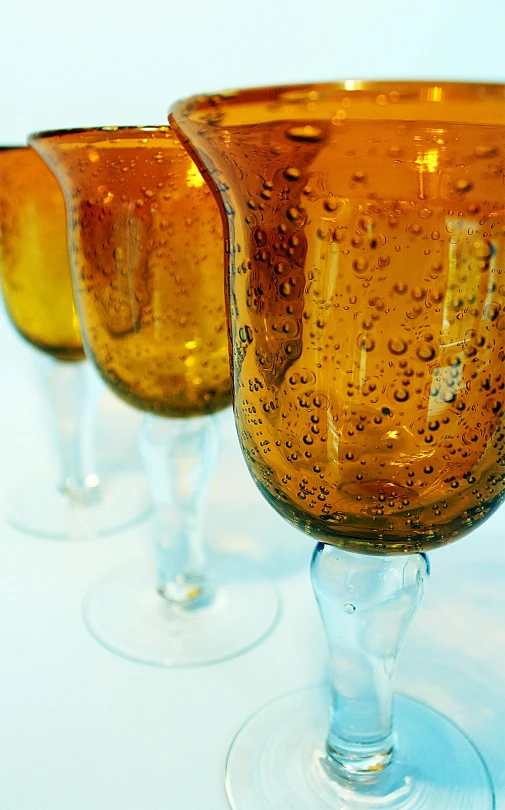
[366,224]
[147,255]
[37,289]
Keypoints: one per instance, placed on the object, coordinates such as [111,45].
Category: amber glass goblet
[37,289]
[147,254]
[366,226]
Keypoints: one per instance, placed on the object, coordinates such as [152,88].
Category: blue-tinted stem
[74,392]
[180,456]
[367,603]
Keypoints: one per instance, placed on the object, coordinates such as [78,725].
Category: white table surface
[83,729]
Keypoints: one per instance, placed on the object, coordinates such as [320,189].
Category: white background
[65,64]
[79,727]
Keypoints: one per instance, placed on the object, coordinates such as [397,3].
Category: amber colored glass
[147,256]
[146,239]
[367,298]
[34,266]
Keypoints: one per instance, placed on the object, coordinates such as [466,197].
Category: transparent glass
[37,289]
[366,238]
[147,254]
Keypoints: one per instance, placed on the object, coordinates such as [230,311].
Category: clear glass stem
[367,603]
[74,393]
[180,456]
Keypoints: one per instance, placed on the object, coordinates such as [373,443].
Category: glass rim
[348,84]
[12,147]
[57,133]
[476,91]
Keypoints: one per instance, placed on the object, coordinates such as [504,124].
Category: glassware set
[363,228]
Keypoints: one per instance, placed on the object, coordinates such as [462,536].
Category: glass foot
[125,614]
[278,760]
[42,510]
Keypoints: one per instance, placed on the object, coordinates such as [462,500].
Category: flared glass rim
[58,133]
[385,91]
[13,146]
[349,85]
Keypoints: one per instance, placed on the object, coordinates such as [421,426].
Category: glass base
[42,510]
[125,613]
[278,760]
